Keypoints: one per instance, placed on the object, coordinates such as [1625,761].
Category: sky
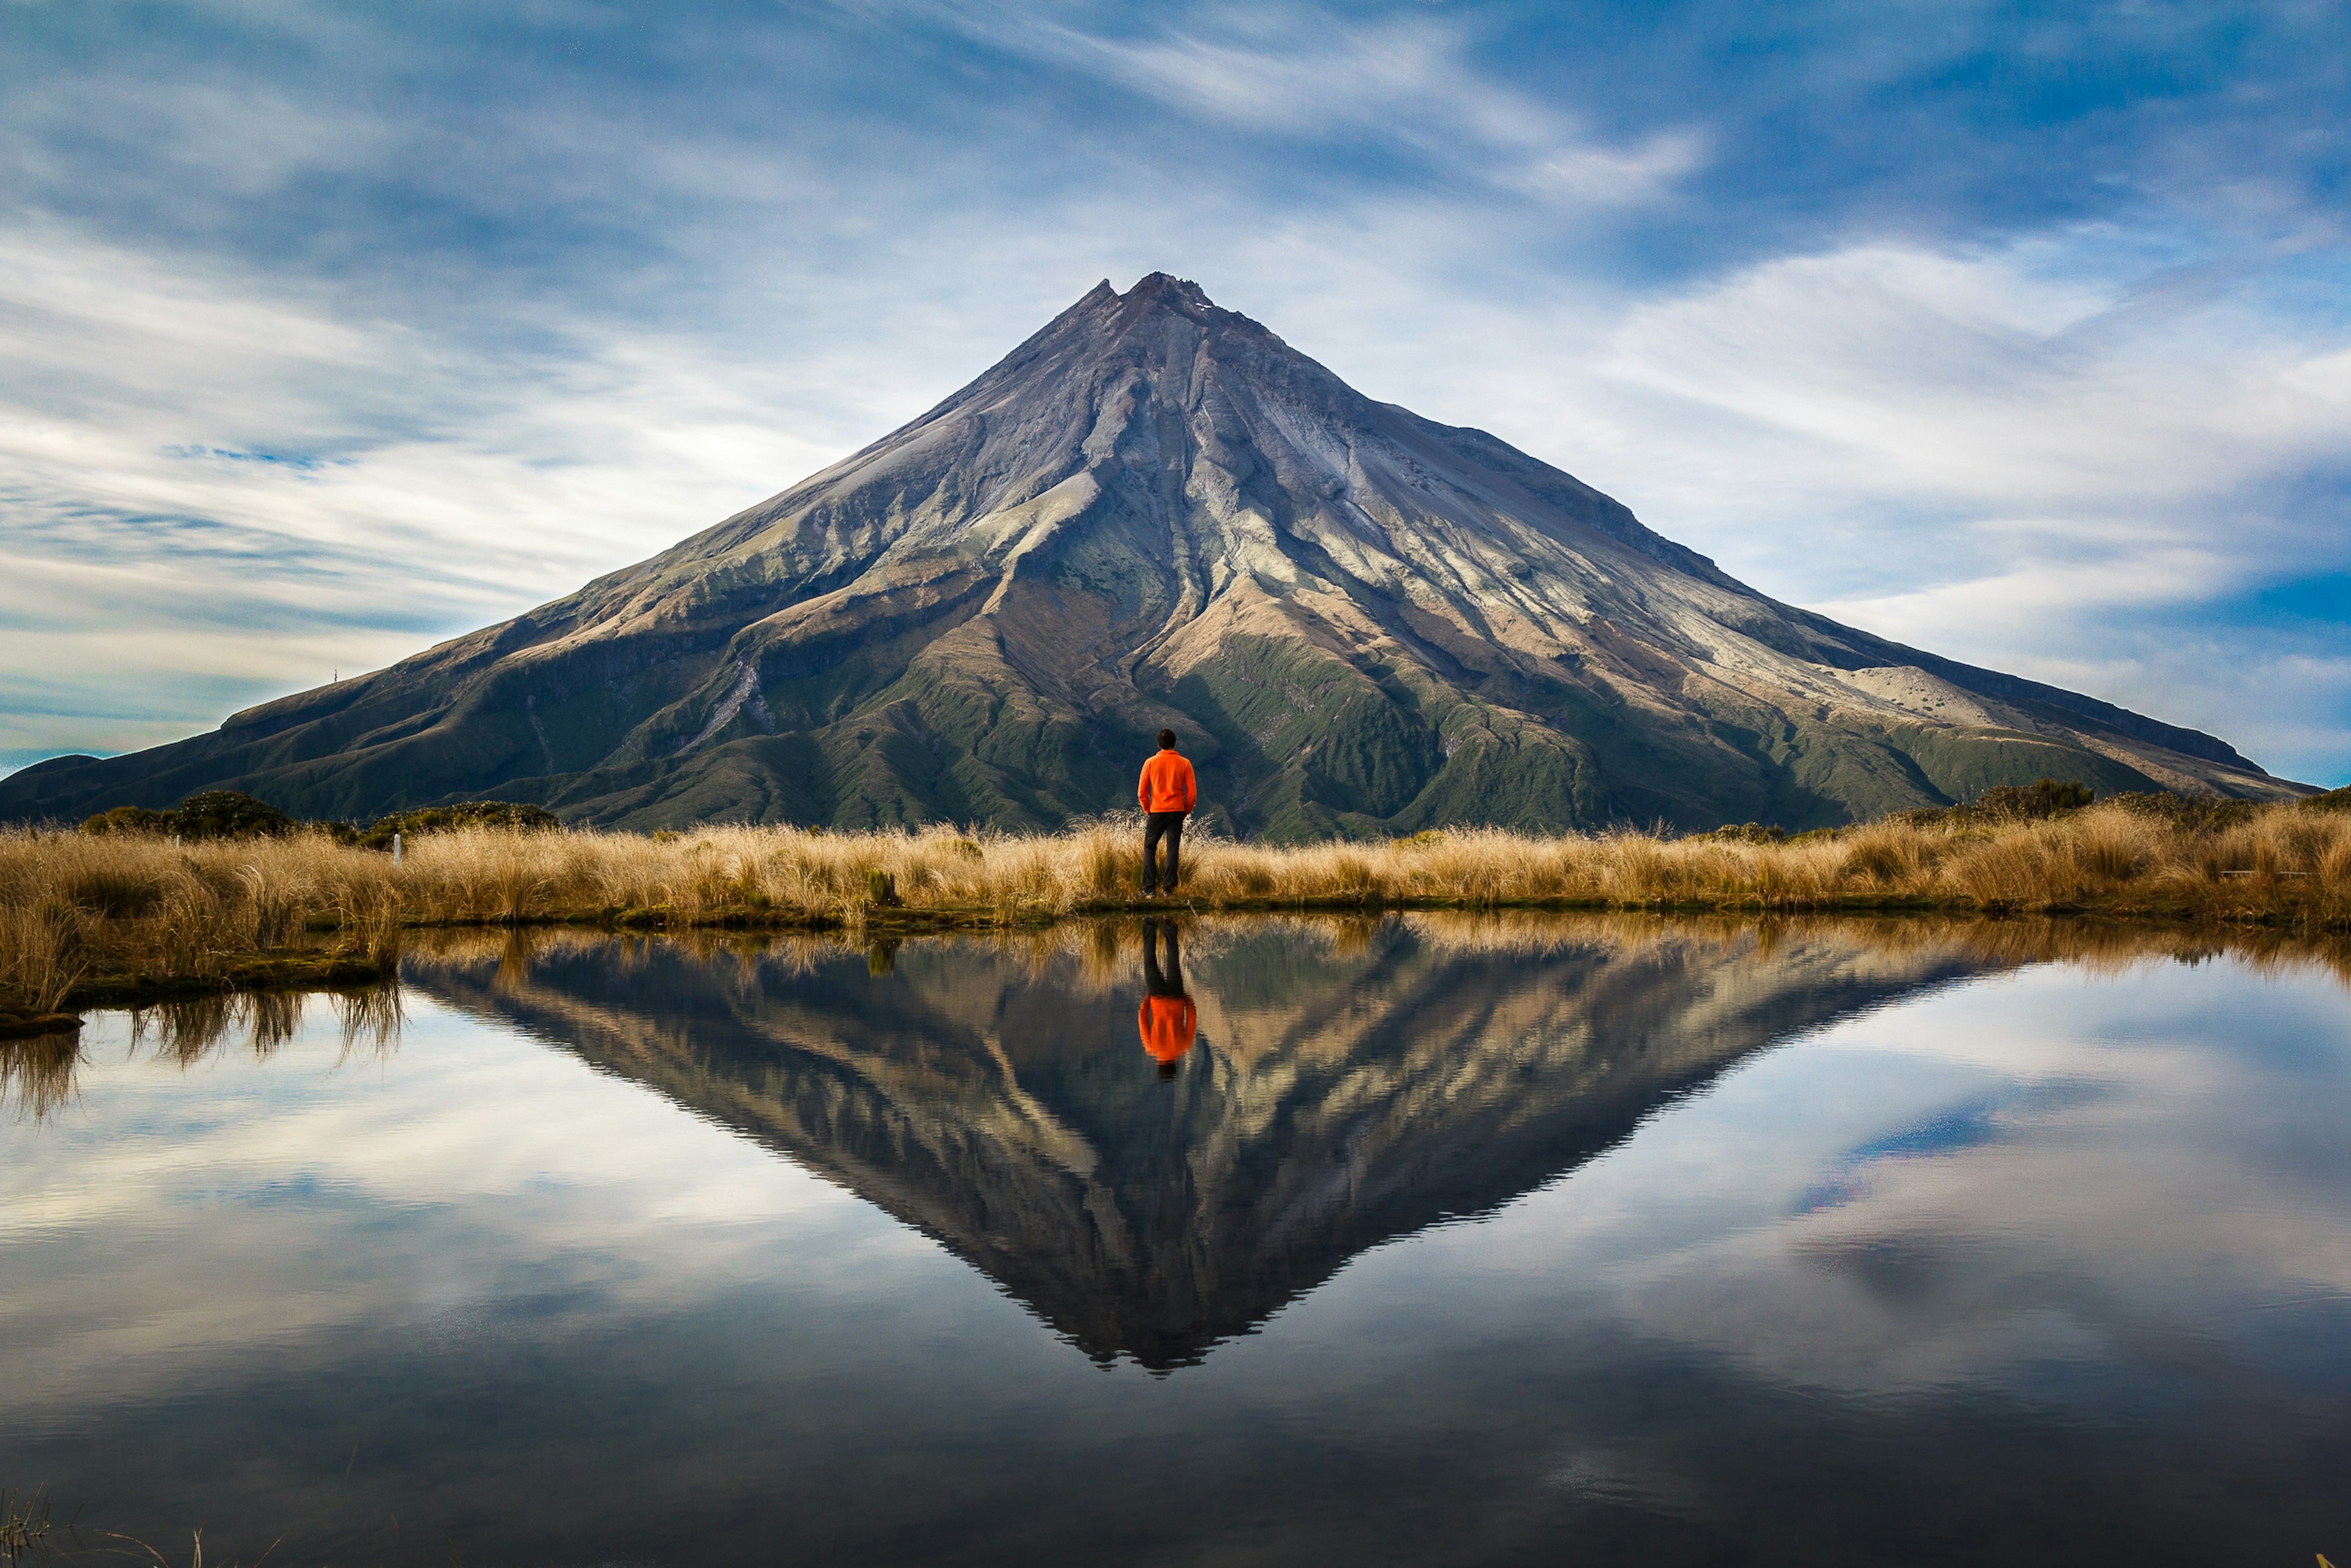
[2020,333]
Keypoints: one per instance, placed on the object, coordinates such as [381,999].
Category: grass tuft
[24,1522]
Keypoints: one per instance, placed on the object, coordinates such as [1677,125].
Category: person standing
[1167,791]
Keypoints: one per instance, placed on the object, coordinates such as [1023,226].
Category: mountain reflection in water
[1789,1251]
[1351,1082]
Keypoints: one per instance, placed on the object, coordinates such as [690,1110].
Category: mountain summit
[1155,512]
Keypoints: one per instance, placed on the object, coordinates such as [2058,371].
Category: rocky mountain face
[1350,1083]
[1155,512]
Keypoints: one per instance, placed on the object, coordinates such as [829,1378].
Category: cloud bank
[329,333]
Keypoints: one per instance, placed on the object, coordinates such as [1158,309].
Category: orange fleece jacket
[1167,1025]
[1167,784]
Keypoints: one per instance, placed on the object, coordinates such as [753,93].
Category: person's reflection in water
[1166,1018]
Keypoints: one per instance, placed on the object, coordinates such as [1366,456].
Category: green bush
[228,814]
[128,819]
[1747,833]
[517,815]
[2332,800]
[212,814]
[2034,802]
[2188,813]
[2003,803]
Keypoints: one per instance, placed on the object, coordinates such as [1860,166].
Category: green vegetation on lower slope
[1962,765]
[924,715]
[1523,779]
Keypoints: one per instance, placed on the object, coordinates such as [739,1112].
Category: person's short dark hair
[1166,740]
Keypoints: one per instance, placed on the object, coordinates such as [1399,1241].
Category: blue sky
[2020,333]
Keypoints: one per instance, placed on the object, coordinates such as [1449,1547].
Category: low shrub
[126,820]
[2189,814]
[211,814]
[2036,803]
[228,814]
[1747,833]
[2040,801]
[2332,800]
[517,816]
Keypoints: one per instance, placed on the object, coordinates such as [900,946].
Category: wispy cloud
[2008,458]
[212,482]
[1405,83]
[1980,377]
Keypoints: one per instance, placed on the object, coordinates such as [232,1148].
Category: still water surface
[1428,1239]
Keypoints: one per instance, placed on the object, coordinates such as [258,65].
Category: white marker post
[395,849]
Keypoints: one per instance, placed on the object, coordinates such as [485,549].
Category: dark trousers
[1158,982]
[1158,825]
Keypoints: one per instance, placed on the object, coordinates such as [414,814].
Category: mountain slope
[1155,512]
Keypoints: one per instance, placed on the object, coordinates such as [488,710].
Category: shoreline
[130,918]
[344,968]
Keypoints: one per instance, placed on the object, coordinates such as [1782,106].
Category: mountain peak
[1158,287]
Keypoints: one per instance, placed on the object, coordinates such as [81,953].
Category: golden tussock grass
[78,913]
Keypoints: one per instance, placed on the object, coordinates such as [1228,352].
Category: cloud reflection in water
[1449,1238]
